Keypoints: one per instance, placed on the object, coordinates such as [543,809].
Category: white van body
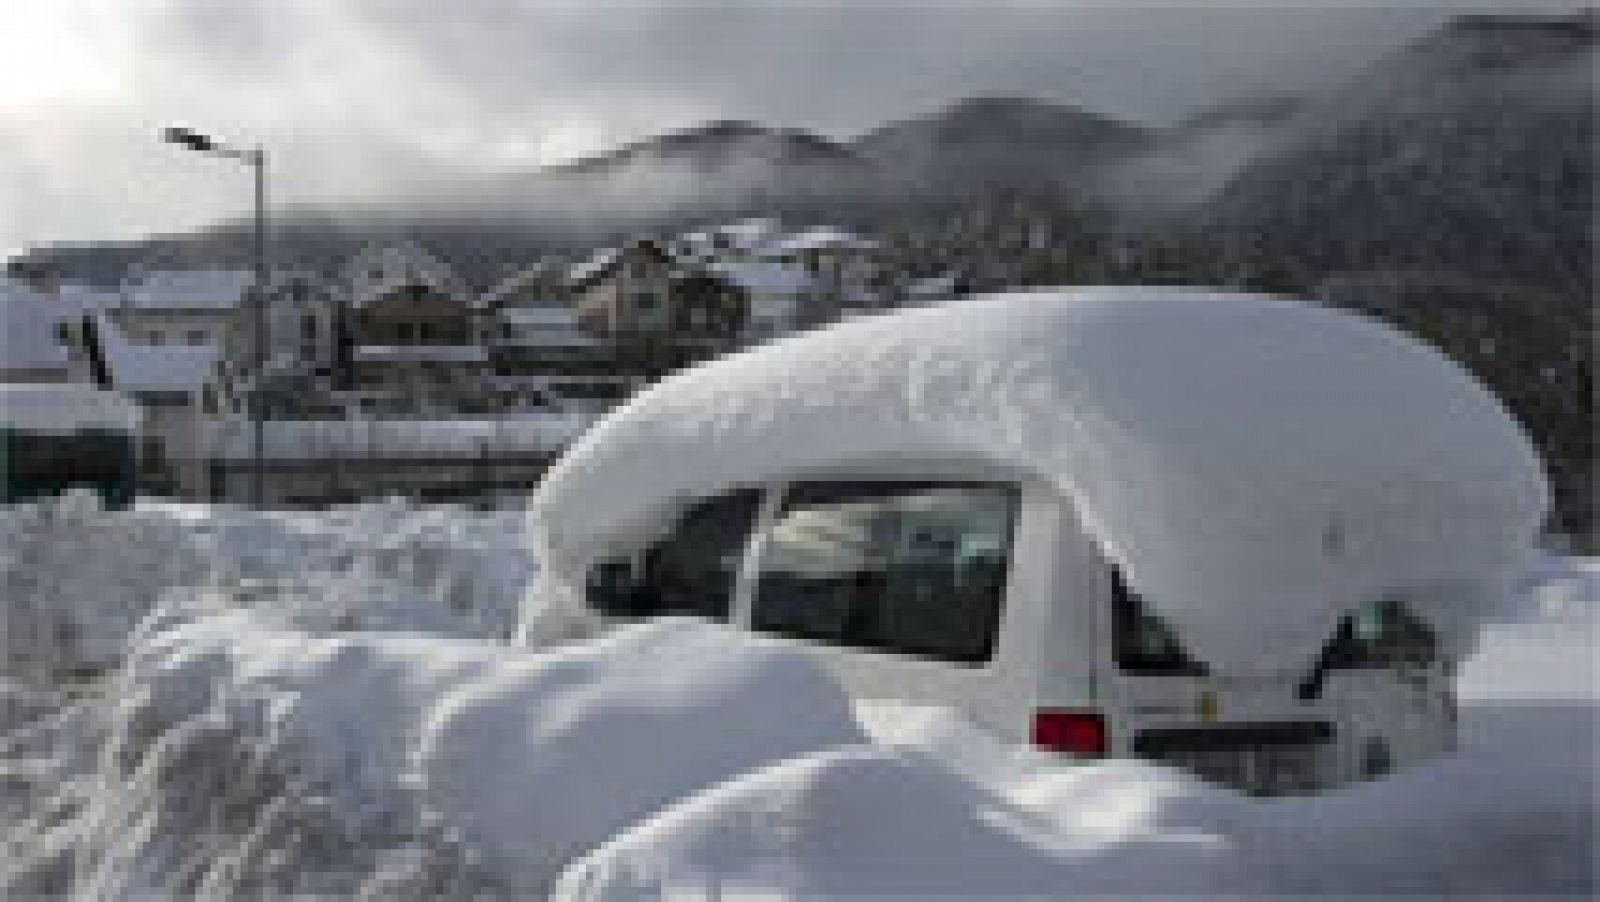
[1090,646]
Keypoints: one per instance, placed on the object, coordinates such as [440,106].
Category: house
[539,351]
[171,384]
[194,307]
[659,311]
[779,299]
[412,334]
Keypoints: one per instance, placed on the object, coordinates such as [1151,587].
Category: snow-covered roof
[188,289]
[535,275]
[1257,465]
[563,315]
[597,261]
[402,439]
[77,299]
[138,367]
[762,277]
[380,269]
[822,237]
[65,407]
[28,329]
[414,353]
[931,288]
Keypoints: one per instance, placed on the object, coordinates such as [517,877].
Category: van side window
[1141,642]
[692,571]
[912,568]
[1380,634]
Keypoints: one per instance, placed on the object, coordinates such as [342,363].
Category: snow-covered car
[59,436]
[1246,535]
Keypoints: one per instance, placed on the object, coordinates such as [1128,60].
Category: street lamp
[256,159]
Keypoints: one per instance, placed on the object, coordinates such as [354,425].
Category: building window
[155,337]
[403,332]
[308,327]
[197,337]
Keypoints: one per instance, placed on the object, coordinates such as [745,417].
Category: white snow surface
[320,704]
[1248,460]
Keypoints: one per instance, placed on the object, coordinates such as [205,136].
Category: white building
[181,307]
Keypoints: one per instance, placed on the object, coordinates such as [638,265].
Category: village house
[539,350]
[414,335]
[659,312]
[180,307]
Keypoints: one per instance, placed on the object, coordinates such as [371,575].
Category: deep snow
[1243,458]
[326,703]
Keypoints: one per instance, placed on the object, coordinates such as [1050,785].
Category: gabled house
[412,334]
[539,350]
[659,311]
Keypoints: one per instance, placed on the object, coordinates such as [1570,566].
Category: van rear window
[911,568]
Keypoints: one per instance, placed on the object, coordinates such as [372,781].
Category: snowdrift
[260,748]
[1245,459]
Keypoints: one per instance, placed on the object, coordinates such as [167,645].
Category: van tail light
[1074,731]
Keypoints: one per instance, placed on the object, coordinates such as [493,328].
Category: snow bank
[77,578]
[936,807]
[1247,460]
[555,753]
[865,822]
[253,746]
[244,757]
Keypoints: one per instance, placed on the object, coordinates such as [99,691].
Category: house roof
[762,277]
[65,408]
[379,270]
[821,237]
[1257,466]
[188,289]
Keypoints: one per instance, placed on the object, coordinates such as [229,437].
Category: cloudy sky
[360,98]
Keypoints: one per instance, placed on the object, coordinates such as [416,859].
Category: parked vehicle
[1258,555]
[55,437]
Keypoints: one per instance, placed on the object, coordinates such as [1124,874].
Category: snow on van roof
[65,407]
[1246,460]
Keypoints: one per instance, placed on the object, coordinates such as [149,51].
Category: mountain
[1471,151]
[1001,142]
[1450,190]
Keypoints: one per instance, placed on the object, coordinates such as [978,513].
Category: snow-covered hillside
[323,704]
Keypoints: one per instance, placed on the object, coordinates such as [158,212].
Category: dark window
[1141,642]
[913,568]
[1381,634]
[692,571]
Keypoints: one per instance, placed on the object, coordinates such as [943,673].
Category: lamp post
[256,159]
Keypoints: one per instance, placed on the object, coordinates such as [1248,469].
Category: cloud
[368,99]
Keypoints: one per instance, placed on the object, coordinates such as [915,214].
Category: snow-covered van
[57,436]
[1245,535]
